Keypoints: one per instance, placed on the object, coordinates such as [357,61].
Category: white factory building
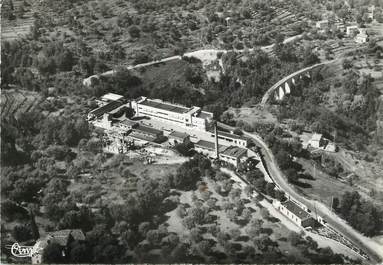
[193,117]
[163,122]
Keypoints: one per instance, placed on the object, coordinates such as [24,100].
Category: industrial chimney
[216,140]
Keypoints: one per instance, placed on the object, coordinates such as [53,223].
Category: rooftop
[231,135]
[179,135]
[205,115]
[106,108]
[296,210]
[208,145]
[129,122]
[62,236]
[234,151]
[164,106]
[142,137]
[111,97]
[316,137]
[352,27]
[148,130]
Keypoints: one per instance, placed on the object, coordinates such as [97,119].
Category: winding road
[202,53]
[372,248]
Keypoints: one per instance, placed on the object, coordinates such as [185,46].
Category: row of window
[150,114]
[292,216]
[148,110]
[240,142]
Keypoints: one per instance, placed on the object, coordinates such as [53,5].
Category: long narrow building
[193,117]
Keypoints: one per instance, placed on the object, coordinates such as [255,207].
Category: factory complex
[139,122]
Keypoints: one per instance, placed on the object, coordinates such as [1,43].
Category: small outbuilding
[295,213]
[176,137]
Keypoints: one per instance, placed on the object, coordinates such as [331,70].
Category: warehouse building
[110,97]
[192,118]
[229,154]
[231,139]
[146,133]
[99,112]
[233,155]
[295,213]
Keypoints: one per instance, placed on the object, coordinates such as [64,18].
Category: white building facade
[193,117]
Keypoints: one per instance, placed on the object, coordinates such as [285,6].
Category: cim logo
[22,251]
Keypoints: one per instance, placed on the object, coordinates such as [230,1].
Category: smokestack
[216,140]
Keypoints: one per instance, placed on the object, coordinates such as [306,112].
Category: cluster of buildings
[163,122]
[317,141]
[352,31]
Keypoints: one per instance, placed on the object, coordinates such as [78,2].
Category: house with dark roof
[233,155]
[105,109]
[295,213]
[176,137]
[61,237]
[145,134]
[230,154]
[207,148]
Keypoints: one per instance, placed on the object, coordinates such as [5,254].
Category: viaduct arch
[284,86]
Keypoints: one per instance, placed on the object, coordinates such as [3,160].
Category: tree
[153,237]
[292,175]
[22,233]
[260,184]
[11,211]
[309,58]
[79,253]
[270,189]
[347,64]
[283,159]
[134,31]
[53,253]
[294,238]
[129,112]
[65,60]
[235,233]
[335,203]
[280,195]
[205,246]
[196,235]
[254,175]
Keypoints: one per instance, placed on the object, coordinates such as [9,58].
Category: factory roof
[231,135]
[129,122]
[296,210]
[62,236]
[111,97]
[179,135]
[208,145]
[142,137]
[234,151]
[148,130]
[106,108]
[164,106]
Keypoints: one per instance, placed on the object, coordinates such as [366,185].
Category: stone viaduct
[284,86]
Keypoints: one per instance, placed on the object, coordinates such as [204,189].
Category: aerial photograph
[191,132]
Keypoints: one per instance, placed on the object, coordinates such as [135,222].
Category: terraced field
[14,29]
[13,102]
